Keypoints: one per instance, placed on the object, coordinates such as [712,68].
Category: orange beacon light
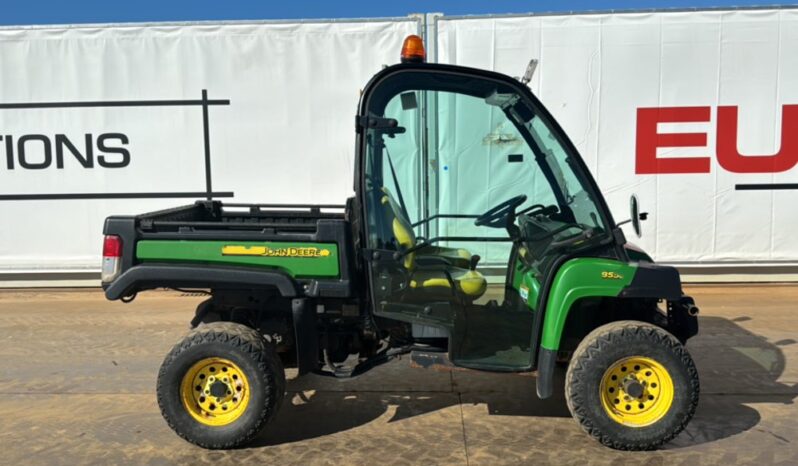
[413,50]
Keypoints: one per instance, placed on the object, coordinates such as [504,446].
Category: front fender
[577,279]
[595,277]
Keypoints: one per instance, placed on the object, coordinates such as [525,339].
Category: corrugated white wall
[287,134]
[597,70]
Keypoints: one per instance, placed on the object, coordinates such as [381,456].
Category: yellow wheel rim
[636,391]
[215,391]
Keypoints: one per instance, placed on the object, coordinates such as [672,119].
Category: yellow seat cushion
[467,282]
[470,282]
[402,231]
[457,257]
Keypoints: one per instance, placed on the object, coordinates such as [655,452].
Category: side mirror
[637,216]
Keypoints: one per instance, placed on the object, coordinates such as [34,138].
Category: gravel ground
[77,378]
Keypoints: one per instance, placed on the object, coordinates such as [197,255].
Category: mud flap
[306,336]
[545,381]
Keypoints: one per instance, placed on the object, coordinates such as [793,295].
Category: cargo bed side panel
[297,259]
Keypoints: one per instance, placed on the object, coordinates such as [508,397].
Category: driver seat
[430,255]
[434,277]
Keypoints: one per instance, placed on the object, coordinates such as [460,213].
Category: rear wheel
[220,385]
[632,385]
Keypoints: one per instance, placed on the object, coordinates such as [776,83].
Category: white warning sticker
[524,292]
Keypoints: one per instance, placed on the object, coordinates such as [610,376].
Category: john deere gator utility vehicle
[453,163]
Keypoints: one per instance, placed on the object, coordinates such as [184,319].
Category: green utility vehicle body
[339,289]
[577,278]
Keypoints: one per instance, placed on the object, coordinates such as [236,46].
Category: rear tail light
[112,257]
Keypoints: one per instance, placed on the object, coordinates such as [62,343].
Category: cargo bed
[212,245]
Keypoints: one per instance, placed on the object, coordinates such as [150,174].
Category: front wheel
[220,385]
[632,385]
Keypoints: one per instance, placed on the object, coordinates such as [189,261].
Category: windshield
[575,202]
[463,147]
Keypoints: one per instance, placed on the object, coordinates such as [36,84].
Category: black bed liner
[214,215]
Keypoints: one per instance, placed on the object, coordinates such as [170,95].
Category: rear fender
[149,276]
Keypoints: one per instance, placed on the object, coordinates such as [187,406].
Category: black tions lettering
[39,151]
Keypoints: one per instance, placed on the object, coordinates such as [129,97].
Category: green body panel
[518,274]
[525,283]
[581,278]
[295,259]
[529,289]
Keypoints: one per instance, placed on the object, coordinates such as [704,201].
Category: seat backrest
[400,226]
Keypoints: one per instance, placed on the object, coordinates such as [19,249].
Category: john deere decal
[274,252]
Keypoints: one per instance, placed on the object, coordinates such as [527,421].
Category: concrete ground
[77,378]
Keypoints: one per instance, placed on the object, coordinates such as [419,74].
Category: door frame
[525,93]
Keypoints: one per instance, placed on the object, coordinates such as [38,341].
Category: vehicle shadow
[736,366]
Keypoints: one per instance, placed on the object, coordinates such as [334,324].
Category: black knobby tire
[613,342]
[246,348]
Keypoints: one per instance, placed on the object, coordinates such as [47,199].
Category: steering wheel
[501,215]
